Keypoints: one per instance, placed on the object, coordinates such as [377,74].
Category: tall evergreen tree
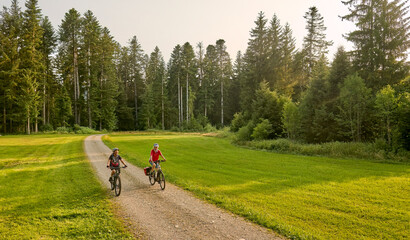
[189,74]
[90,33]
[69,35]
[256,62]
[314,43]
[224,72]
[380,40]
[48,44]
[136,69]
[286,81]
[10,45]
[154,109]
[32,62]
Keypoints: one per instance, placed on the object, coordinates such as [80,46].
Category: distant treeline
[79,75]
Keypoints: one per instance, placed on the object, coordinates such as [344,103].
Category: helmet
[115,149]
[156,145]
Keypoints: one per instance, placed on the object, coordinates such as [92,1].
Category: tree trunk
[89,87]
[136,103]
[179,102]
[222,102]
[44,100]
[187,98]
[4,117]
[162,103]
[28,122]
[206,100]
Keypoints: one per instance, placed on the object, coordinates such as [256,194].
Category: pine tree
[315,44]
[10,43]
[136,69]
[155,79]
[274,51]
[90,33]
[32,62]
[69,36]
[313,110]
[256,62]
[189,73]
[224,72]
[380,40]
[174,86]
[207,94]
[48,44]
[286,83]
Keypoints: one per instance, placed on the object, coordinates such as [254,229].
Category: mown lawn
[298,196]
[48,191]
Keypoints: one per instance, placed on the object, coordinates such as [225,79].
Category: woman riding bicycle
[154,157]
[114,161]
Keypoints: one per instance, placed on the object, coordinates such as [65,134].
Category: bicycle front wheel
[161,180]
[117,186]
[151,177]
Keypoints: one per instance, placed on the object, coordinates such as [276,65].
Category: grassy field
[298,196]
[48,191]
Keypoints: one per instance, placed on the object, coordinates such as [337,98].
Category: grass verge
[48,191]
[301,197]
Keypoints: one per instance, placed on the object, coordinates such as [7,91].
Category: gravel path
[170,214]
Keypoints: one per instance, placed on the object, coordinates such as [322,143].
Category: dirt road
[169,214]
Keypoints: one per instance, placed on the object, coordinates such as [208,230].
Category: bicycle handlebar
[118,167]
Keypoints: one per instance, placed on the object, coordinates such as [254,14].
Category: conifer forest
[78,75]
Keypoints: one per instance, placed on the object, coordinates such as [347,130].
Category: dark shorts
[152,164]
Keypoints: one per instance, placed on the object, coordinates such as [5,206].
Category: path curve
[182,215]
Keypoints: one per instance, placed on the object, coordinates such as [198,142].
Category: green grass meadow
[48,191]
[301,197]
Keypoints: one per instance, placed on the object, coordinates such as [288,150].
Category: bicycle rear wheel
[161,180]
[151,177]
[117,186]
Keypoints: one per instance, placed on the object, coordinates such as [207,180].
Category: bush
[209,128]
[245,133]
[46,128]
[373,151]
[85,130]
[63,130]
[238,121]
[262,130]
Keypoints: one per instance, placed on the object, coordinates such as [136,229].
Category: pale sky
[166,23]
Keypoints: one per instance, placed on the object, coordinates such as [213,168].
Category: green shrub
[46,128]
[238,121]
[209,128]
[245,133]
[373,151]
[63,130]
[262,130]
[85,130]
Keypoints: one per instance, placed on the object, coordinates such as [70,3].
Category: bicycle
[115,180]
[160,178]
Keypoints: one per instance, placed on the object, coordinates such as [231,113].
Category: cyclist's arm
[162,156]
[108,163]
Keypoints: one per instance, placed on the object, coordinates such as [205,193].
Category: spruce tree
[380,40]
[69,36]
[31,62]
[314,43]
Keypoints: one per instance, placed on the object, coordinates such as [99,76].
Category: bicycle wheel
[117,186]
[161,180]
[151,177]
[112,184]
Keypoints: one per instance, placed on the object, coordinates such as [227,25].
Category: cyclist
[154,157]
[114,161]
